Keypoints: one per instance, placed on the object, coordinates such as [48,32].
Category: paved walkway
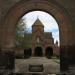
[50,65]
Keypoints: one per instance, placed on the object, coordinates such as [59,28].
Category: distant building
[39,43]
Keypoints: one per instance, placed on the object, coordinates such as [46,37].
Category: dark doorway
[27,53]
[49,52]
[38,51]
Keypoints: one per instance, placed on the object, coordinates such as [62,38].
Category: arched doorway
[27,53]
[38,51]
[49,52]
[24,6]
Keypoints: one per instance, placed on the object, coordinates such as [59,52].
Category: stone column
[8,53]
[7,58]
[71,55]
[63,58]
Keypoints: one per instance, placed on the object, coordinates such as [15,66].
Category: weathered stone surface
[49,65]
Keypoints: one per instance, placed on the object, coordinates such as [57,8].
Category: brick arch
[21,8]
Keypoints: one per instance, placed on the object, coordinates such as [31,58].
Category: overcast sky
[50,24]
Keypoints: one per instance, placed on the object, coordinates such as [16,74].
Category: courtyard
[51,66]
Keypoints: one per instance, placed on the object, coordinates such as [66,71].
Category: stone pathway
[50,66]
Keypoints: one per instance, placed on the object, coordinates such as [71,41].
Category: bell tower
[37,30]
[37,35]
[37,27]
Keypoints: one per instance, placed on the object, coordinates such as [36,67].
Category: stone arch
[38,51]
[49,52]
[21,8]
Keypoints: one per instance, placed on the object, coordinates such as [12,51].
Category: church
[38,43]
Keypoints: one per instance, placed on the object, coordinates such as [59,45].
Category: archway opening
[38,51]
[49,52]
[40,31]
[29,36]
[27,53]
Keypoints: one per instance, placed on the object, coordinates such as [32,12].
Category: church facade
[39,43]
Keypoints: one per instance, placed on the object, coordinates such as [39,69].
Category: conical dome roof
[38,22]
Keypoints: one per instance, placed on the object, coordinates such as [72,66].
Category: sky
[50,24]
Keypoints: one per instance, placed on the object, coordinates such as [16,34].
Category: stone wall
[69,5]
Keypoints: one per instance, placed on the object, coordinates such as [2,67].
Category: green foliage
[22,36]
[20,30]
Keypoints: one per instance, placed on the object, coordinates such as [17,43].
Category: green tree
[20,31]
